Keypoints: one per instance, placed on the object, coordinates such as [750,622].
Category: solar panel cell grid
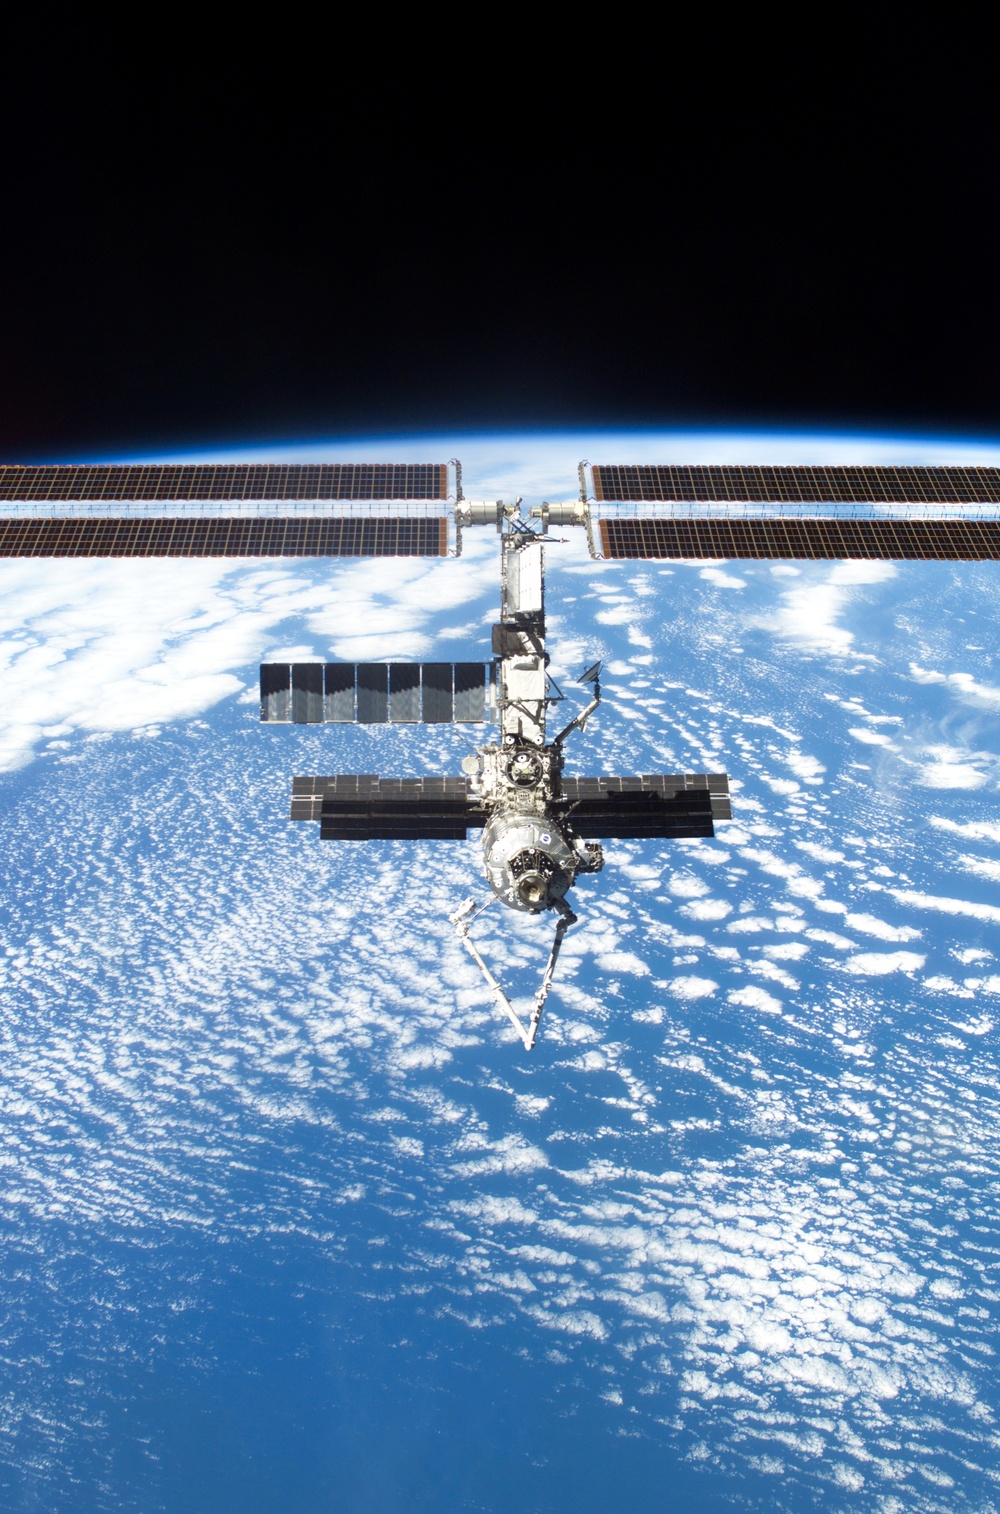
[470,691]
[275,691]
[373,693]
[957,540]
[225,481]
[338,693]
[748,484]
[404,692]
[438,697]
[401,809]
[307,693]
[224,537]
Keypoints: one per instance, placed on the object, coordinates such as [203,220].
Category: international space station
[541,829]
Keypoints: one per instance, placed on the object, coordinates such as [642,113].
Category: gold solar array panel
[675,483]
[288,536]
[958,539]
[151,482]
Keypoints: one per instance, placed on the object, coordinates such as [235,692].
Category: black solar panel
[307,693]
[310,536]
[746,484]
[652,805]
[470,692]
[276,691]
[362,807]
[397,692]
[373,693]
[957,540]
[404,692]
[338,691]
[438,692]
[224,481]
[307,793]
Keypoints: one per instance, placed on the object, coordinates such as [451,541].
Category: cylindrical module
[529,865]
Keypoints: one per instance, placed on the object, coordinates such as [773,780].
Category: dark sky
[299,239]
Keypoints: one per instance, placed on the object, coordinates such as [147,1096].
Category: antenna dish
[592,674]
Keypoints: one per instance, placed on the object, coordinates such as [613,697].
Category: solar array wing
[29,528]
[668,805]
[958,539]
[174,482]
[220,536]
[675,483]
[373,693]
[364,807]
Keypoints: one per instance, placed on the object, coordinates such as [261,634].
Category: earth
[291,1221]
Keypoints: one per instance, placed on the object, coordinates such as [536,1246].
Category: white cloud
[953,768]
[782,785]
[805,767]
[811,610]
[707,909]
[871,738]
[921,900]
[750,925]
[975,830]
[755,998]
[981,866]
[877,964]
[117,645]
[622,962]
[620,615]
[950,775]
[111,646]
[990,985]
[771,970]
[980,1027]
[821,853]
[687,886]
[983,695]
[722,580]
[692,987]
[941,983]
[297,653]
[512,1154]
[830,937]
[869,925]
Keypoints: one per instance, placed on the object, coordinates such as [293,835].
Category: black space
[319,233]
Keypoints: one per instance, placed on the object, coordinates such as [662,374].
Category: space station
[541,829]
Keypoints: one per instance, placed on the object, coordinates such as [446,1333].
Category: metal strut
[592,675]
[463,918]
